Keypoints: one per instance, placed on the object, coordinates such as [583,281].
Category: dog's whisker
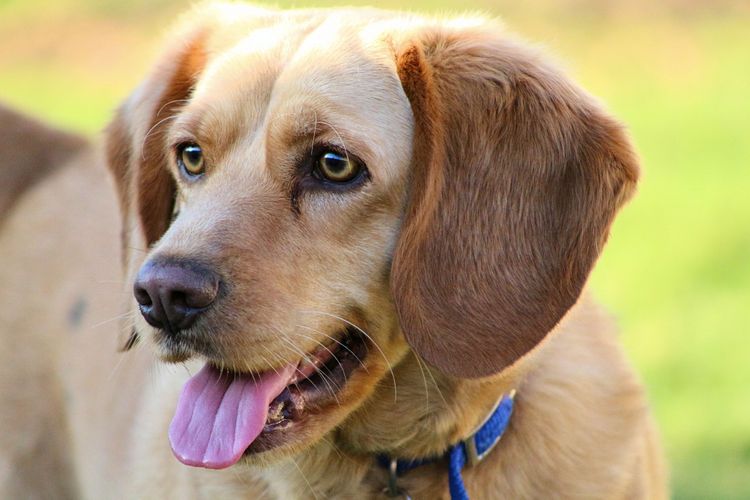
[254,376]
[295,350]
[241,478]
[341,139]
[299,352]
[326,380]
[315,130]
[338,342]
[296,369]
[115,368]
[323,346]
[173,101]
[424,368]
[424,379]
[273,358]
[385,358]
[119,316]
[143,143]
[312,490]
[434,382]
[335,448]
[330,384]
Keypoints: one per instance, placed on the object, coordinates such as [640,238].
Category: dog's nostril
[199,297]
[142,296]
[176,298]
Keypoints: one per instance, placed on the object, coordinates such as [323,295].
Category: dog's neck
[426,413]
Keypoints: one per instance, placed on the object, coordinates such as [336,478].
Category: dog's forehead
[335,68]
[236,85]
[345,79]
[341,63]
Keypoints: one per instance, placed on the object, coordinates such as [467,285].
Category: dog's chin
[328,384]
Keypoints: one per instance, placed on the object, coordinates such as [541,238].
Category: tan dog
[368,227]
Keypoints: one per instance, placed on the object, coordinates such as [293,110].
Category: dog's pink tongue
[218,416]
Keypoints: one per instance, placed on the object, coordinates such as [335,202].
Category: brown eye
[190,159]
[336,168]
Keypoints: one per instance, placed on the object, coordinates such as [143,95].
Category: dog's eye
[336,168]
[190,159]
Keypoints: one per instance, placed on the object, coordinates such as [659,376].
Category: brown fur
[540,170]
[493,184]
[31,151]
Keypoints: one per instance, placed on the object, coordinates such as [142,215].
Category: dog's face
[320,192]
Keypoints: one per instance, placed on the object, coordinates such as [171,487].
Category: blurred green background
[677,269]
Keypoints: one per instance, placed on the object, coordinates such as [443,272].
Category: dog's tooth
[306,363]
[275,412]
[320,351]
[305,367]
[296,404]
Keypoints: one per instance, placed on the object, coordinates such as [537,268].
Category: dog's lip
[314,387]
[307,366]
[311,363]
[315,371]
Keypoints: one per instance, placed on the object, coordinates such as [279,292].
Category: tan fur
[493,184]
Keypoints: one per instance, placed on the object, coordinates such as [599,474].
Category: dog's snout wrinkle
[172,294]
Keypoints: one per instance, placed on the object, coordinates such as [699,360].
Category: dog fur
[493,183]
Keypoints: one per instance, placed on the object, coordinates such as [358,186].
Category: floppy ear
[516,178]
[137,152]
[136,149]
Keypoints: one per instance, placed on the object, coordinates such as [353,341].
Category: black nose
[173,294]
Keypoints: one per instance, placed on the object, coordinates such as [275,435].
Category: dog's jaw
[434,413]
[319,390]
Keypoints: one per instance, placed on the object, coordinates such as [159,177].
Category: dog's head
[316,193]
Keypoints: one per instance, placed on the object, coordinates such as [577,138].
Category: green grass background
[677,269]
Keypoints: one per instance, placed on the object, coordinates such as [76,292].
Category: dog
[333,243]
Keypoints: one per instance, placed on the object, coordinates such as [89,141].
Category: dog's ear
[137,153]
[516,178]
[136,149]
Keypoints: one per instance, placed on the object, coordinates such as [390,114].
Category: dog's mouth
[223,415]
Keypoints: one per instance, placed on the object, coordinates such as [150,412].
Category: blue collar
[471,450]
